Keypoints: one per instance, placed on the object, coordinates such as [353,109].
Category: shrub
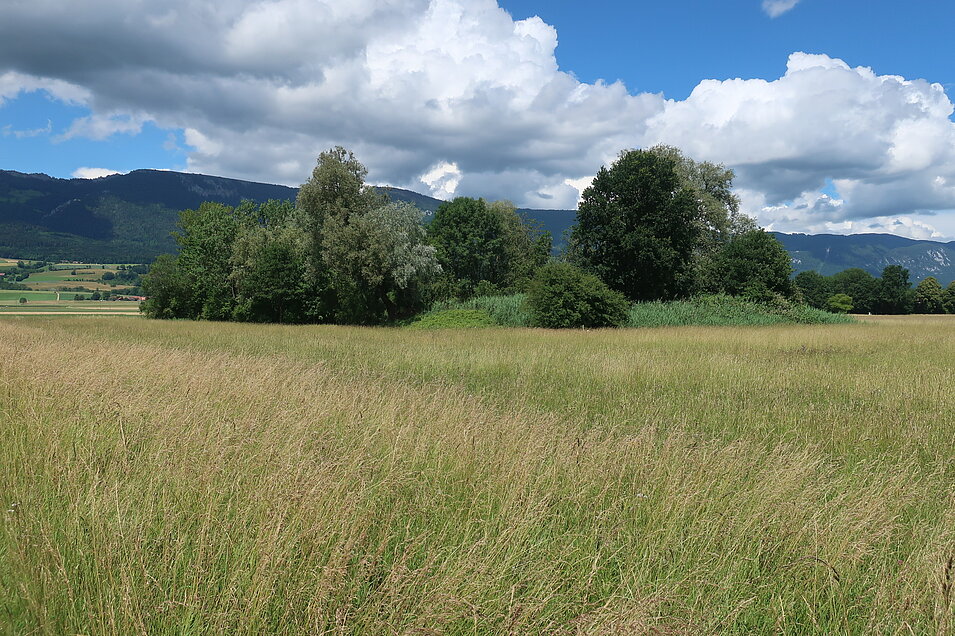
[506,311]
[563,296]
[723,310]
[454,319]
[840,303]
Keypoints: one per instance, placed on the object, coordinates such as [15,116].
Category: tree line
[859,291]
[654,225]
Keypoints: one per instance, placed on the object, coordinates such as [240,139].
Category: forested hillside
[129,218]
[829,254]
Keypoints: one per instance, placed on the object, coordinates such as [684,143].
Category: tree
[23,300]
[950,298]
[206,239]
[485,244]
[815,288]
[894,294]
[563,296]
[719,217]
[859,285]
[380,264]
[335,191]
[929,297]
[839,304]
[752,264]
[638,227]
[268,275]
[167,290]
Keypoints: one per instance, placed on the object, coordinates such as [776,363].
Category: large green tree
[894,294]
[166,289]
[479,242]
[269,274]
[380,263]
[859,285]
[208,278]
[640,227]
[815,288]
[718,216]
[929,297]
[335,191]
[205,248]
[753,264]
[950,298]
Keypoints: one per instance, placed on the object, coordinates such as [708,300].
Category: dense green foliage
[485,247]
[815,288]
[856,290]
[653,226]
[342,253]
[638,226]
[723,310]
[563,296]
[506,311]
[893,292]
[839,303]
[454,319]
[929,297]
[753,264]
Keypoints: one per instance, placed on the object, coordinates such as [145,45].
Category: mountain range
[130,217]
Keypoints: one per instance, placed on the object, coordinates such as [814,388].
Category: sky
[836,115]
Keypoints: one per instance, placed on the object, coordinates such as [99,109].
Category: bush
[722,310]
[563,296]
[454,319]
[506,311]
[840,303]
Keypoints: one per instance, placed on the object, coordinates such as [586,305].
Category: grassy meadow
[47,303]
[196,478]
[67,276]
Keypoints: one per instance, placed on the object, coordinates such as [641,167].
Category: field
[69,276]
[47,303]
[194,478]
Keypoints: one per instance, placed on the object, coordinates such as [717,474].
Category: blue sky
[836,116]
[670,46]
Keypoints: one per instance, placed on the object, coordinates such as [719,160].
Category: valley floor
[194,478]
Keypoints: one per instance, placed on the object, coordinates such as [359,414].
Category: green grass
[506,311]
[726,311]
[16,294]
[512,311]
[69,306]
[454,319]
[249,479]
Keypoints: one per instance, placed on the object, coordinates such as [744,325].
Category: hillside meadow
[196,478]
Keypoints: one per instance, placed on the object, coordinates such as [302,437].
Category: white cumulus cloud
[93,173]
[886,143]
[455,97]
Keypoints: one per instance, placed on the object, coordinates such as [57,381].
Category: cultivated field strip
[206,478]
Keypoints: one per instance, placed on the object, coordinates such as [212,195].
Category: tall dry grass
[190,478]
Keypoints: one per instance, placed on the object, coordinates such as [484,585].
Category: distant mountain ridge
[130,217]
[831,253]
